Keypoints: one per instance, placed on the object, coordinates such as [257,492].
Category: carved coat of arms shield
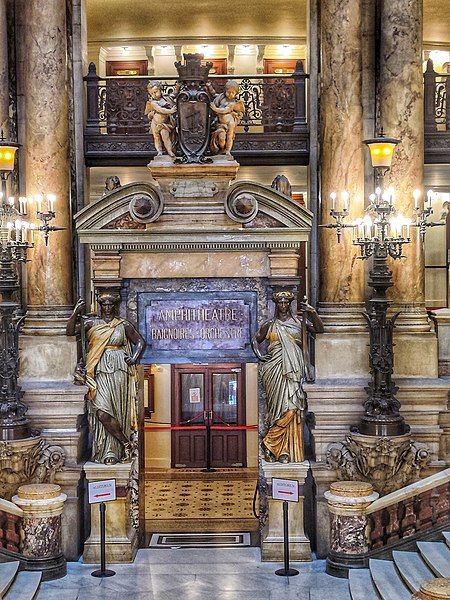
[193,124]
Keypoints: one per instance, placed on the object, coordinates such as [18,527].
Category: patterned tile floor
[199,499]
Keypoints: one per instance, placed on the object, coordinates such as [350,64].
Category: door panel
[192,396]
[200,392]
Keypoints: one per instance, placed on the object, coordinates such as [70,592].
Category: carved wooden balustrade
[361,527]
[273,127]
[436,115]
[10,526]
[409,512]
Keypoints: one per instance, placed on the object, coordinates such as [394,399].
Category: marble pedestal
[121,536]
[272,546]
[42,505]
[194,188]
[347,503]
[434,589]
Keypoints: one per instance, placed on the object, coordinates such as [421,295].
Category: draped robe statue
[113,349]
[283,372]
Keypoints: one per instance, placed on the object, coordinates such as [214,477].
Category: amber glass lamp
[381,152]
[7,155]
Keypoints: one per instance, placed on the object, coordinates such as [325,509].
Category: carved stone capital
[28,461]
[388,463]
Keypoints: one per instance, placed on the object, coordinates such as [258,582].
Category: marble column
[402,117]
[46,147]
[48,356]
[4,78]
[401,109]
[342,169]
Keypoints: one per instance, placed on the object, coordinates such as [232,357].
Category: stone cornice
[204,240]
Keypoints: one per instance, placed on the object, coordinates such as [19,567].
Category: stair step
[446,535]
[25,586]
[8,571]
[437,557]
[361,585]
[326,586]
[412,569]
[388,581]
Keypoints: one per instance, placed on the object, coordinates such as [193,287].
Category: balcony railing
[273,128]
[437,115]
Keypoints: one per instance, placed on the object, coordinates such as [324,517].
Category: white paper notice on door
[194,395]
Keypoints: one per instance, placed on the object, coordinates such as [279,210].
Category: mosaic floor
[199,499]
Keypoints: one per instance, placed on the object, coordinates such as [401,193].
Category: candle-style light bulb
[416,196]
[345,196]
[32,230]
[430,194]
[333,200]
[25,227]
[51,202]
[391,195]
[38,199]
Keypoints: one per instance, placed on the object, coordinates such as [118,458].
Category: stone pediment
[141,216]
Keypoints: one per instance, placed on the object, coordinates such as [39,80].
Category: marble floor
[196,574]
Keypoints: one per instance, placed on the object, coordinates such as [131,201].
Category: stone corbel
[106,270]
[283,264]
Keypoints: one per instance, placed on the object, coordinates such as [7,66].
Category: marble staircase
[395,579]
[18,585]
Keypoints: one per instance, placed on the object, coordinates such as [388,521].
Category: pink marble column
[46,146]
[4,79]
[342,152]
[402,117]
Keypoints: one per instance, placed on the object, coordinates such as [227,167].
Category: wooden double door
[211,395]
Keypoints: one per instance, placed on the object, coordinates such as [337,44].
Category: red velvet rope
[188,428]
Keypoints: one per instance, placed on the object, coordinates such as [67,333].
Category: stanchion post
[287,571]
[208,418]
[103,571]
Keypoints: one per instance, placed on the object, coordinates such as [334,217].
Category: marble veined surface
[194,574]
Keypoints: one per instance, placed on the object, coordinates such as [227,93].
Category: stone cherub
[229,113]
[160,110]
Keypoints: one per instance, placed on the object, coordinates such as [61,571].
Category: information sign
[102,491]
[285,489]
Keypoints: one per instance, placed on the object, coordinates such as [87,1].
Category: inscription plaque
[197,327]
